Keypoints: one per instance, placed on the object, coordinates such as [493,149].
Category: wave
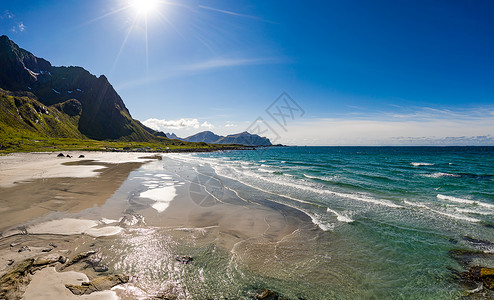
[280,181]
[323,178]
[418,164]
[464,201]
[450,215]
[340,217]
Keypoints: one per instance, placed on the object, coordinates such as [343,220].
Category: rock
[43,261]
[24,248]
[131,220]
[81,156]
[52,245]
[14,282]
[10,262]
[98,284]
[268,295]
[69,156]
[101,268]
[62,259]
[482,275]
[60,155]
[47,250]
[184,259]
[78,258]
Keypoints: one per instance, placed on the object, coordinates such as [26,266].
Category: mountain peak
[243,138]
[103,113]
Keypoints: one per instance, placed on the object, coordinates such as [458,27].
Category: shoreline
[43,209]
[37,187]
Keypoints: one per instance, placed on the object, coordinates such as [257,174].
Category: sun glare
[144,7]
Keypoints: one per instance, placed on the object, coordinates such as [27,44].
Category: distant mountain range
[61,101]
[243,138]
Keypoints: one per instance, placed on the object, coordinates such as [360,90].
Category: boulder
[60,155]
[184,259]
[81,156]
[78,258]
[98,284]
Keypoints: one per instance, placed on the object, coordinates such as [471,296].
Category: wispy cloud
[236,14]
[203,66]
[184,123]
[216,63]
[6,15]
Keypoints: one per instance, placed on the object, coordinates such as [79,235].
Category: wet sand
[30,188]
[94,206]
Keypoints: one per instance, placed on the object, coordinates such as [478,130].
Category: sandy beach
[38,187]
[57,209]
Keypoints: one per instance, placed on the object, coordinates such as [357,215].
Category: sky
[353,72]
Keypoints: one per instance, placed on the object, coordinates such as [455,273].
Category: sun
[144,7]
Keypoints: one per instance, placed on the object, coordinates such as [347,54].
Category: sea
[306,222]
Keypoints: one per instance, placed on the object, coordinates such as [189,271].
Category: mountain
[205,136]
[90,103]
[243,138]
[173,136]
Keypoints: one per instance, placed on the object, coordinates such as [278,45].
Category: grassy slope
[27,125]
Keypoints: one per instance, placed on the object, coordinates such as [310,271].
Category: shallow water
[308,222]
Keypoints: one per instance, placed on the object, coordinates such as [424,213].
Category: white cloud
[230,125]
[18,28]
[391,132]
[208,125]
[184,123]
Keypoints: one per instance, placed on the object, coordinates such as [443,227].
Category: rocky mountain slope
[83,101]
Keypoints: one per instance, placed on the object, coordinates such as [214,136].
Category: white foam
[454,216]
[465,201]
[163,196]
[441,174]
[265,170]
[340,217]
[418,164]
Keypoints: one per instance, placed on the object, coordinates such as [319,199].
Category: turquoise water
[387,216]
[307,222]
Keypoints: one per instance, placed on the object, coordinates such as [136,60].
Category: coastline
[53,207]
[36,187]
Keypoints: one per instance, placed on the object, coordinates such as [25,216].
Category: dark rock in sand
[62,259]
[69,156]
[98,284]
[81,156]
[47,250]
[60,155]
[24,248]
[10,262]
[184,259]
[101,268]
[52,245]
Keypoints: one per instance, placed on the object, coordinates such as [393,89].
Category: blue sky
[364,72]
